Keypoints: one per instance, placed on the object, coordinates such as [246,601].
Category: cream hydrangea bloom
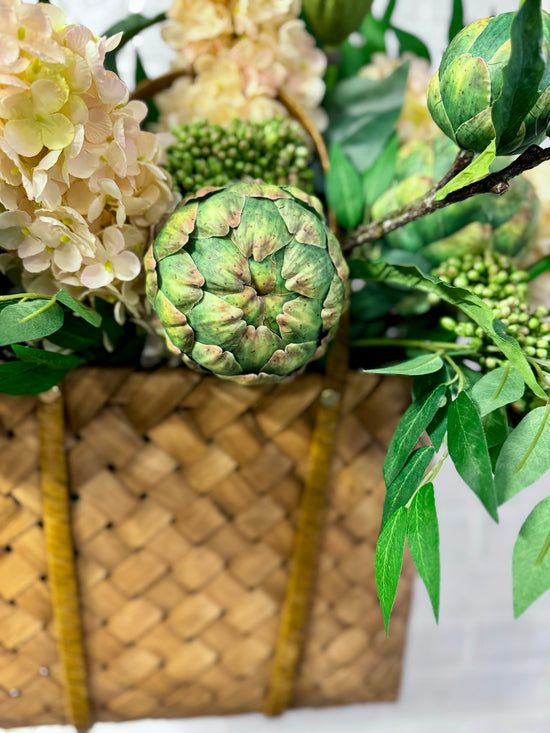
[80,184]
[239,54]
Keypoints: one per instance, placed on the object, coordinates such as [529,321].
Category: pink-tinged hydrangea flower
[80,184]
[239,54]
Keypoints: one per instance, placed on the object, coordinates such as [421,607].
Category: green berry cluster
[503,286]
[211,155]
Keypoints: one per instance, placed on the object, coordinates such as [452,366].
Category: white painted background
[479,670]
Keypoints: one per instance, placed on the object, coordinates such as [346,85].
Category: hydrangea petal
[24,136]
[57,131]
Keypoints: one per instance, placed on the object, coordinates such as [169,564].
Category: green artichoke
[333,20]
[462,92]
[247,281]
[211,155]
[505,224]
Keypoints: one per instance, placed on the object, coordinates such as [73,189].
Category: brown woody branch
[493,183]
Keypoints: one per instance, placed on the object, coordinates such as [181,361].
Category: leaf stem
[412,344]
[543,551]
[24,296]
[434,470]
[44,308]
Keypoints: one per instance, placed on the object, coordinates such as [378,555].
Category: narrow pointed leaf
[408,43]
[457,19]
[522,75]
[389,560]
[531,558]
[88,314]
[525,455]
[343,188]
[425,364]
[379,176]
[409,430]
[423,539]
[478,169]
[402,488]
[497,388]
[469,451]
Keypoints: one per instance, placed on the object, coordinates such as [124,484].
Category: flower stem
[413,344]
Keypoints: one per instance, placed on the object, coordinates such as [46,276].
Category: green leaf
[389,559]
[19,377]
[88,314]
[531,559]
[469,451]
[28,320]
[52,359]
[343,189]
[363,113]
[130,26]
[525,456]
[423,539]
[402,488]
[437,429]
[411,44]
[465,300]
[457,19]
[379,176]
[425,364]
[411,426]
[523,73]
[478,168]
[497,388]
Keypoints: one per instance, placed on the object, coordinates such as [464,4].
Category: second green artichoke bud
[211,155]
[505,224]
[469,81]
[333,20]
[248,282]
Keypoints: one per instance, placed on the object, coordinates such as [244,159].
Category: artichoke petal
[291,359]
[151,280]
[256,347]
[214,359]
[174,322]
[260,190]
[312,201]
[175,233]
[330,313]
[300,321]
[307,270]
[180,280]
[251,304]
[465,90]
[463,41]
[336,256]
[476,133]
[306,228]
[216,322]
[261,231]
[208,253]
[437,108]
[218,213]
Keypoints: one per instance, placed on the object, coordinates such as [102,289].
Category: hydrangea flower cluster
[79,182]
[238,54]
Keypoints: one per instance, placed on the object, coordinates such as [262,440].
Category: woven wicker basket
[184,501]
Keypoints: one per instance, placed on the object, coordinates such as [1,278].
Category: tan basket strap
[61,559]
[295,612]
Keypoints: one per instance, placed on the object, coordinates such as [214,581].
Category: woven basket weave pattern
[185,491]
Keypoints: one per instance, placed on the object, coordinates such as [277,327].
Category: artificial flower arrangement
[192,228]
